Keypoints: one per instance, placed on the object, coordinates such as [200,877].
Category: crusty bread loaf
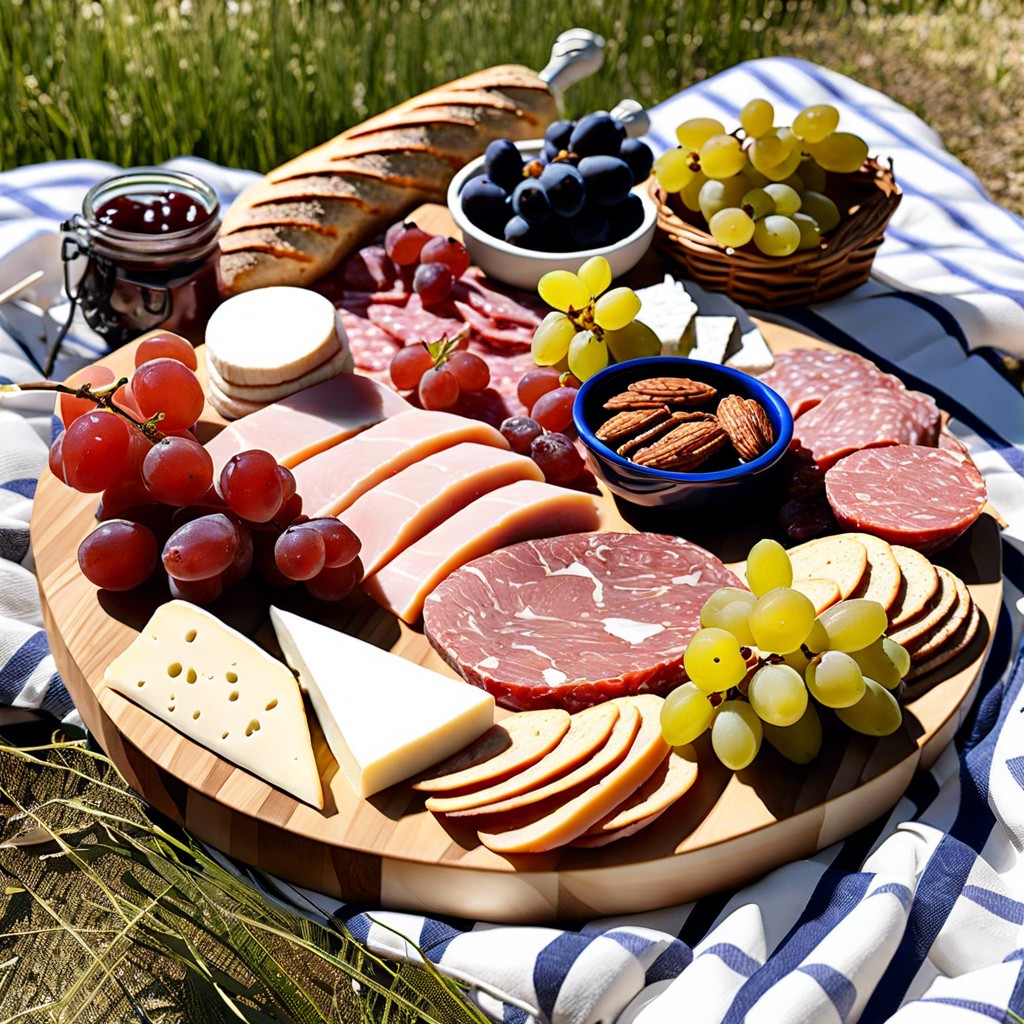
[311,212]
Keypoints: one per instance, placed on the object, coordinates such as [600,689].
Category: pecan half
[630,400]
[747,425]
[673,390]
[626,424]
[650,435]
[684,448]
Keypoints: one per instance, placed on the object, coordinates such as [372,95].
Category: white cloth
[916,919]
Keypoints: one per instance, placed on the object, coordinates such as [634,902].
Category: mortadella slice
[331,481]
[397,512]
[521,511]
[308,422]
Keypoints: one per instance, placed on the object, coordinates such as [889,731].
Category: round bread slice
[506,748]
[927,644]
[337,363]
[939,607]
[597,761]
[842,559]
[823,593]
[272,335]
[955,644]
[919,585]
[882,581]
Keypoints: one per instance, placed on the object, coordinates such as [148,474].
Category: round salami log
[572,621]
[804,376]
[851,418]
[921,497]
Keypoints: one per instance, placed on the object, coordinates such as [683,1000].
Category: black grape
[591,229]
[523,233]
[597,135]
[565,188]
[558,134]
[483,203]
[626,217]
[530,201]
[503,164]
[639,157]
[608,179]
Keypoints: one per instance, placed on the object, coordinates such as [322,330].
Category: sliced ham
[804,376]
[331,481]
[400,510]
[514,513]
[923,498]
[851,418]
[308,422]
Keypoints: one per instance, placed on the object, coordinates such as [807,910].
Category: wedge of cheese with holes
[273,335]
[330,482]
[219,689]
[385,718]
[309,422]
[525,510]
[400,510]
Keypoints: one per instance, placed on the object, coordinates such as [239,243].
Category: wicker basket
[866,201]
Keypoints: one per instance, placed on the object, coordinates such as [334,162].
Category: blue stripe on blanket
[21,665]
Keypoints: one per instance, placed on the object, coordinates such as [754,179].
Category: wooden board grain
[388,850]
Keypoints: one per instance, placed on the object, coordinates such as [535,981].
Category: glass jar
[149,236]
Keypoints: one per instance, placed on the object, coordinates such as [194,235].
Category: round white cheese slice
[273,335]
[339,362]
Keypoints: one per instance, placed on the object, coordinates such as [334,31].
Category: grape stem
[103,397]
[441,351]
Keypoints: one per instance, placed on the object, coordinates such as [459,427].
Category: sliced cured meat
[951,442]
[851,418]
[372,349]
[920,497]
[573,621]
[400,510]
[368,270]
[412,323]
[331,481]
[515,338]
[522,309]
[804,376]
[309,422]
[519,511]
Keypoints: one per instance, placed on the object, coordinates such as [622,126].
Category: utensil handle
[576,54]
[633,117]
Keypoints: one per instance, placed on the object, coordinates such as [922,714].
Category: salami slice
[572,621]
[522,309]
[509,339]
[368,270]
[920,497]
[372,349]
[852,418]
[804,376]
[412,323]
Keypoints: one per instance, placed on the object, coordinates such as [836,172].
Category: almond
[673,390]
[684,448]
[747,425]
[659,429]
[628,423]
[630,400]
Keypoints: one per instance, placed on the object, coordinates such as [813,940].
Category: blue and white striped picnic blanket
[918,917]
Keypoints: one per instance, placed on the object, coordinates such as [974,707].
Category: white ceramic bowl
[525,267]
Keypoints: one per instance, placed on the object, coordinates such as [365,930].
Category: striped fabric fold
[917,918]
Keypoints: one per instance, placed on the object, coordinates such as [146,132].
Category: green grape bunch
[591,323]
[763,183]
[764,666]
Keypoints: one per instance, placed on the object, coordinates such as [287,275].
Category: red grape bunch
[439,371]
[439,261]
[137,448]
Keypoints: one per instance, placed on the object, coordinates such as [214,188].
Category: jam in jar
[150,240]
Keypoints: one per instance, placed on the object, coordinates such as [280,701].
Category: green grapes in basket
[764,183]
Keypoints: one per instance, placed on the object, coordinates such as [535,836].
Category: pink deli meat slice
[804,376]
[308,422]
[573,621]
[372,349]
[852,418]
[330,482]
[400,510]
[412,323]
[923,498]
[523,309]
[520,511]
[514,339]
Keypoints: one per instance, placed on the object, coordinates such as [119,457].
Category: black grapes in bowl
[574,195]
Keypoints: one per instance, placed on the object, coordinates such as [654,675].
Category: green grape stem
[441,351]
[103,397]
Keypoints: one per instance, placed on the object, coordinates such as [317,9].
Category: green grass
[253,82]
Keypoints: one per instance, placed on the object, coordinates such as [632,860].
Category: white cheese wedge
[754,355]
[714,338]
[218,688]
[385,718]
[667,309]
[273,335]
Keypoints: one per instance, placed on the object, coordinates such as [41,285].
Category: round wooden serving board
[388,850]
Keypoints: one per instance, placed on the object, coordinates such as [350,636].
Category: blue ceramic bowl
[646,486]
